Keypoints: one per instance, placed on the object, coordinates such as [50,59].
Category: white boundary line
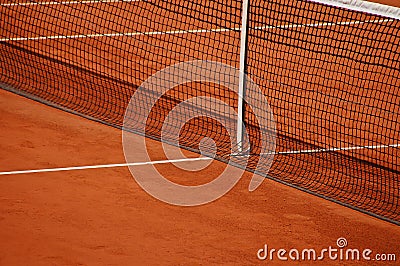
[130,34]
[69,2]
[323,150]
[355,5]
[326,24]
[336,149]
[103,166]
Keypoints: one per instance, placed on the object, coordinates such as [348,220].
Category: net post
[242,74]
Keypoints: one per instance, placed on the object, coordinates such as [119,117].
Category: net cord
[364,6]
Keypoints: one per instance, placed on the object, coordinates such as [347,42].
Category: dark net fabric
[330,76]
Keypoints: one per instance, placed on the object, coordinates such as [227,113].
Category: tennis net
[329,70]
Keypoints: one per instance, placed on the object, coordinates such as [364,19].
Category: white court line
[326,24]
[336,149]
[103,166]
[129,34]
[322,150]
[68,2]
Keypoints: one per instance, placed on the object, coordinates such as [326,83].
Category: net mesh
[329,74]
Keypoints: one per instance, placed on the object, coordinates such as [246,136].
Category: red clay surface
[103,217]
[314,114]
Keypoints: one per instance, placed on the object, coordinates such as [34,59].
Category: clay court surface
[102,216]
